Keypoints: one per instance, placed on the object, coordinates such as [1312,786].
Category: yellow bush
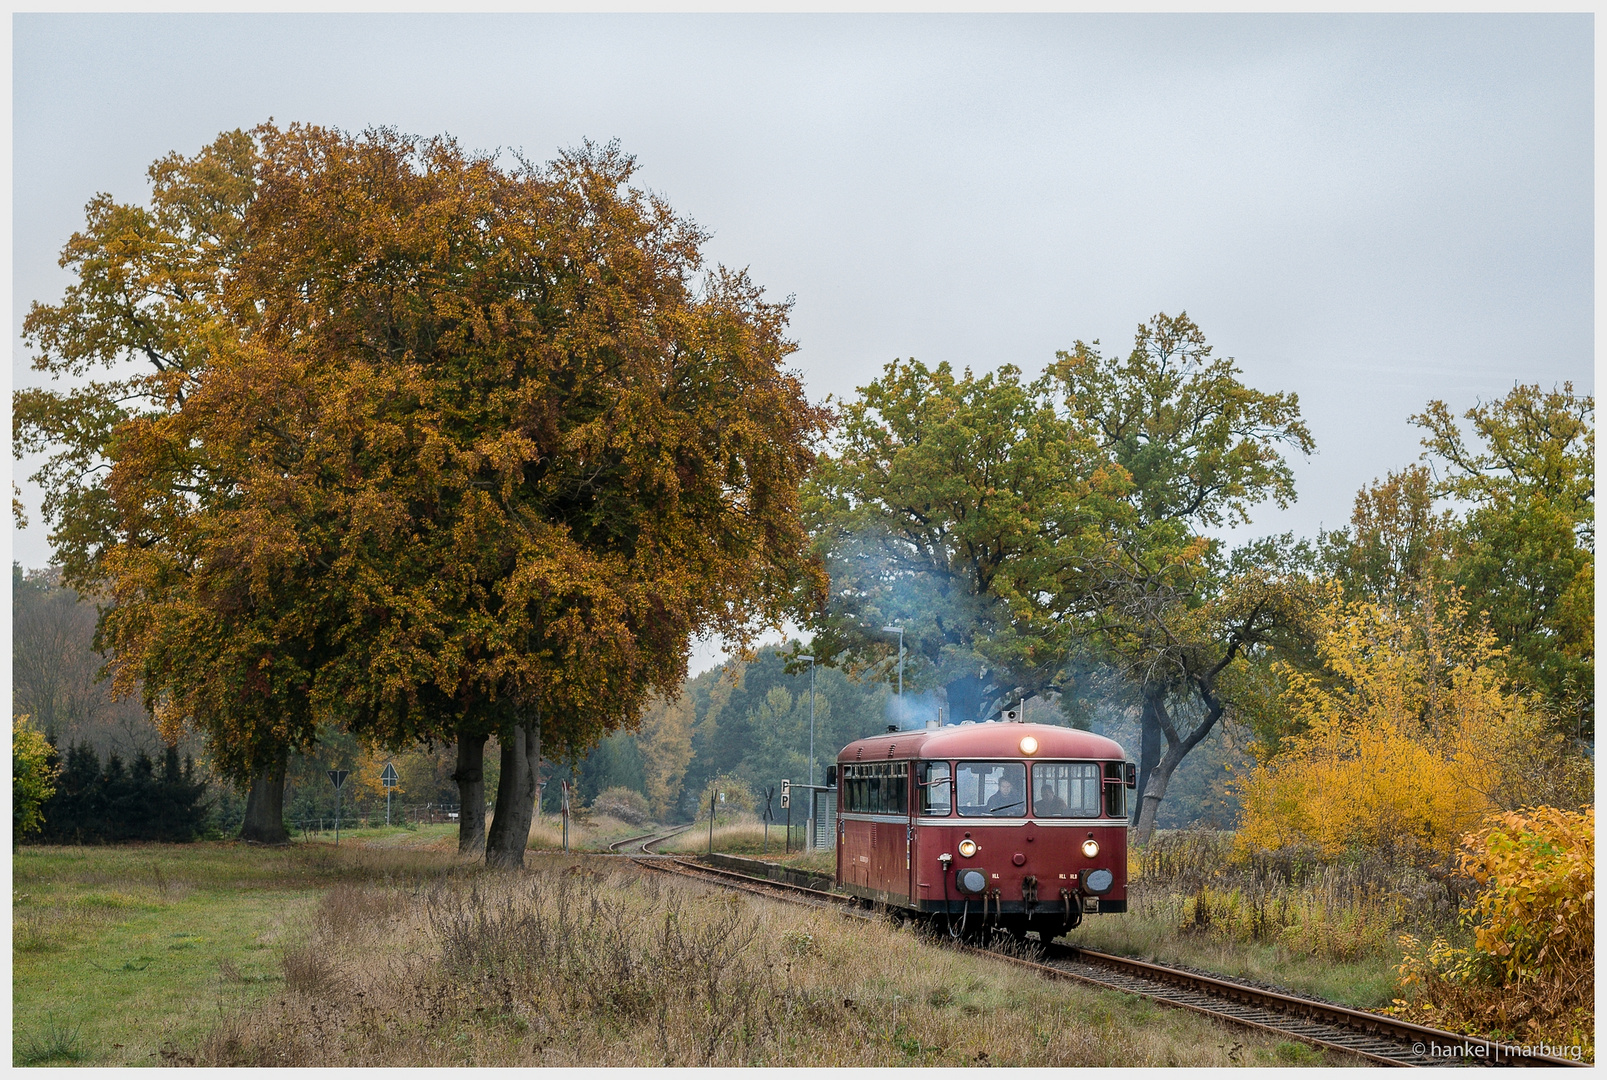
[1536,918]
[1410,736]
[33,777]
[1530,974]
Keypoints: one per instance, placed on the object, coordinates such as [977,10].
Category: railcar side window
[878,788]
[1115,790]
[1065,789]
[937,789]
[991,789]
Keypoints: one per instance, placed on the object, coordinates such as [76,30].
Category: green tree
[1396,544]
[962,509]
[1019,531]
[750,719]
[1193,640]
[33,777]
[1198,449]
[1525,553]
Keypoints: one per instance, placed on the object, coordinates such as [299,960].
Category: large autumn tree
[490,456]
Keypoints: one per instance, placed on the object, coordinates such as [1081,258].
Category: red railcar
[1019,827]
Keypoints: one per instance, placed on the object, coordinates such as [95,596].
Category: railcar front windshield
[1062,789]
[991,789]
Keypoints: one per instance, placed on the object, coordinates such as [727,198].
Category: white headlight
[1029,746]
[1090,848]
[967,848]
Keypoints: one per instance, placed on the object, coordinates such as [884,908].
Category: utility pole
[811,660]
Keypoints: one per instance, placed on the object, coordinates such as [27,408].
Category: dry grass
[743,836]
[1328,929]
[587,832]
[1334,911]
[566,966]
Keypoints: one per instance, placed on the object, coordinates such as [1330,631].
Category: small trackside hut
[1008,826]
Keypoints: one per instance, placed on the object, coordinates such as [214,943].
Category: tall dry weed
[1201,882]
[572,967]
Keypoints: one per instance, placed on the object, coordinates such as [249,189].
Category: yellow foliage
[368,770]
[33,777]
[665,737]
[1411,735]
[1538,909]
[1531,972]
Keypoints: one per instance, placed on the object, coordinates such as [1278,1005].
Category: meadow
[391,951]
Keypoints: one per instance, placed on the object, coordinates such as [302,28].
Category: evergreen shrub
[119,804]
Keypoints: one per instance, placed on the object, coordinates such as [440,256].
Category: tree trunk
[265,804]
[1177,748]
[1149,746]
[516,796]
[470,777]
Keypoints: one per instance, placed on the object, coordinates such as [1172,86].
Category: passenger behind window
[1047,804]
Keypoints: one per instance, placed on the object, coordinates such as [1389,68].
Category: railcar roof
[990,740]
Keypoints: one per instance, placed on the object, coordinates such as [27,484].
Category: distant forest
[744,720]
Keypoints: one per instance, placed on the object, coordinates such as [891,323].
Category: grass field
[118,952]
[391,951]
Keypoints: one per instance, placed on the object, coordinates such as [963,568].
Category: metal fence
[410,814]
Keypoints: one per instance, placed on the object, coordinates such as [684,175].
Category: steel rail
[617,844]
[648,839]
[1382,1040]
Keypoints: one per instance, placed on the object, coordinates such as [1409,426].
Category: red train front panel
[1021,823]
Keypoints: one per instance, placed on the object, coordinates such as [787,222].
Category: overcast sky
[1371,211]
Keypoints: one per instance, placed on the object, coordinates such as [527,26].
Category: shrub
[33,775]
[738,797]
[1536,918]
[1531,969]
[623,803]
[1197,882]
[119,804]
[1411,737]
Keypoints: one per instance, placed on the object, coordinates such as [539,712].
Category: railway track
[644,843]
[1381,1040]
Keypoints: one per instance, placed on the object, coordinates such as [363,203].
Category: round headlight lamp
[967,848]
[1029,746]
[1090,847]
